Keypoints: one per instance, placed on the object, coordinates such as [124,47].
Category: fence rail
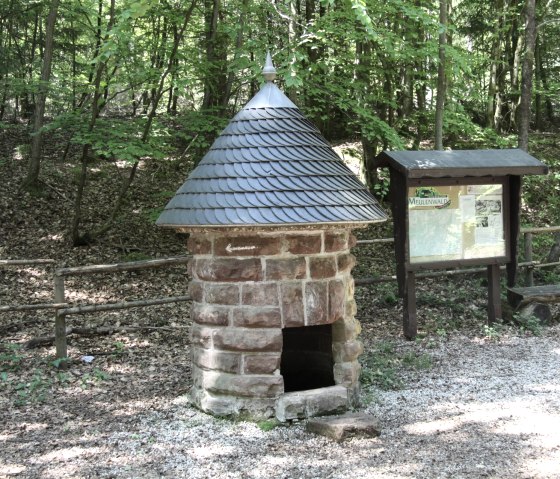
[117,267]
[24,262]
[63,308]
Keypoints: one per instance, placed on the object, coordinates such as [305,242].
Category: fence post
[528,244]
[60,319]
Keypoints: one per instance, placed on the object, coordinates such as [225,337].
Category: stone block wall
[245,288]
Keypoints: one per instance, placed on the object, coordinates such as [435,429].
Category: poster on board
[456,222]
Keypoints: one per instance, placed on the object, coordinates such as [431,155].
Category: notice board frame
[483,166]
[503,181]
[406,271]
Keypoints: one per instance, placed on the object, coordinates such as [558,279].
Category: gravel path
[486,409]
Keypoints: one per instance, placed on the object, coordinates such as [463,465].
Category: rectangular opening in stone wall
[307,359]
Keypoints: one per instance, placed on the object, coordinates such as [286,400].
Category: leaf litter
[486,404]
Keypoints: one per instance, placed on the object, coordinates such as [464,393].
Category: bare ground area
[463,401]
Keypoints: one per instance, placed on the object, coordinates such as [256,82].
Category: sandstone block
[228,269]
[261,363]
[336,241]
[316,303]
[346,329]
[221,293]
[345,262]
[347,373]
[351,308]
[211,315]
[253,409]
[245,339]
[286,269]
[201,336]
[292,305]
[243,385]
[259,317]
[216,405]
[196,291]
[350,286]
[247,245]
[302,404]
[199,244]
[260,294]
[345,426]
[322,267]
[211,359]
[347,351]
[352,240]
[337,300]
[304,244]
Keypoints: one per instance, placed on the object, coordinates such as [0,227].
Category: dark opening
[307,359]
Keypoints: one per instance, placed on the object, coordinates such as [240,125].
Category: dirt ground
[464,400]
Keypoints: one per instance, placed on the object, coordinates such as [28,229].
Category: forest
[130,80]
[105,108]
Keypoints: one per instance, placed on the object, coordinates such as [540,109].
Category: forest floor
[464,400]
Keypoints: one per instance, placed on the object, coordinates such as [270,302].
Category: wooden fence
[63,308]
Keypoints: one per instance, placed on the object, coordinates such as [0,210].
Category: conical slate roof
[270,167]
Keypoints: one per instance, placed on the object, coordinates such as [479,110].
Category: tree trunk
[527,77]
[441,83]
[238,46]
[89,237]
[216,56]
[494,61]
[77,239]
[539,117]
[32,178]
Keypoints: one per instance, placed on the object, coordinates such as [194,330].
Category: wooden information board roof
[461,163]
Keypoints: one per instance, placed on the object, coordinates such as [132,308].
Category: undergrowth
[382,365]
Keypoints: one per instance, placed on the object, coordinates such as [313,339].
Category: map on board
[456,222]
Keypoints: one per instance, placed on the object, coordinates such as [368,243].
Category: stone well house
[270,210]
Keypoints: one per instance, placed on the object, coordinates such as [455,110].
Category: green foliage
[196,131]
[161,197]
[268,425]
[493,331]
[381,187]
[58,362]
[382,365]
[11,359]
[96,376]
[32,392]
[528,323]
[120,348]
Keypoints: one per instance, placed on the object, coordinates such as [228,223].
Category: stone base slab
[314,402]
[346,426]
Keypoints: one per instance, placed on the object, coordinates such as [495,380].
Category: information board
[457,222]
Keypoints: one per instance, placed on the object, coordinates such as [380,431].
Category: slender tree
[441,82]
[31,181]
[527,77]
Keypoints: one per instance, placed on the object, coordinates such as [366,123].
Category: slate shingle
[270,167]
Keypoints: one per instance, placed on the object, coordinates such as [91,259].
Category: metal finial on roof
[269,71]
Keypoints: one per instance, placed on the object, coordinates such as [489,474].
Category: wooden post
[399,209]
[410,322]
[60,319]
[514,188]
[494,299]
[528,243]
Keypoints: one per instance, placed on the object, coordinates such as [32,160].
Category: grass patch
[382,366]
[268,425]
